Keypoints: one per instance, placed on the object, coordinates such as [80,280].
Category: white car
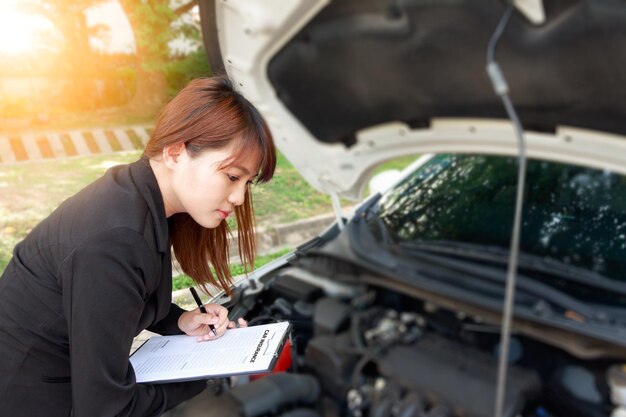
[401,308]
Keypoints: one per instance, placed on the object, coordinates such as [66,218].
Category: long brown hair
[209,114]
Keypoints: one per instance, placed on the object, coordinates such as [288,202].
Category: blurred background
[72,63]
[89,76]
[80,84]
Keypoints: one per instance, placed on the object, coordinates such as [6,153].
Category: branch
[185,8]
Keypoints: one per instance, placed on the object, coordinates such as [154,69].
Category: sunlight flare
[19,32]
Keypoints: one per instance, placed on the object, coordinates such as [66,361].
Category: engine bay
[359,350]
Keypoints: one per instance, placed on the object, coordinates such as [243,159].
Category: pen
[201,307]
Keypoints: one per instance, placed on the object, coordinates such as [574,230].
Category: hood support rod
[334,198]
[501,88]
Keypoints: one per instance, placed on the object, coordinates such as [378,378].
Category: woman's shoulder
[123,198]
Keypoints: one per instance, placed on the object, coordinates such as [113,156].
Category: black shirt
[78,289]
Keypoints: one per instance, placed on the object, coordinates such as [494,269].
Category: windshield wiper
[444,257]
[382,228]
[528,262]
[364,244]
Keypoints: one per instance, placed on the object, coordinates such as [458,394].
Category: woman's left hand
[196,323]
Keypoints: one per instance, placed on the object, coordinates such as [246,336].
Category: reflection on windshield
[572,214]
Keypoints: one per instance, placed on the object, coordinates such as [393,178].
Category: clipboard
[241,351]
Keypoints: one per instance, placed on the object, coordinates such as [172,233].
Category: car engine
[357,350]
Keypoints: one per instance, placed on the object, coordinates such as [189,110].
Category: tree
[152,23]
[70,19]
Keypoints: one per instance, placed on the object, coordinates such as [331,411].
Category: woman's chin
[209,222]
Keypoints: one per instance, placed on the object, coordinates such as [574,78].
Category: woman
[97,271]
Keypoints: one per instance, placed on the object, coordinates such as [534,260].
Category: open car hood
[345,85]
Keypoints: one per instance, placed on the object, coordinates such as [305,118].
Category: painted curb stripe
[114,144]
[38,146]
[123,138]
[5,150]
[30,147]
[18,148]
[79,143]
[44,147]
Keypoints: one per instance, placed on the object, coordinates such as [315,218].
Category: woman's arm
[168,325]
[104,288]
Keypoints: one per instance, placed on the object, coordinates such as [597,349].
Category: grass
[30,191]
[287,197]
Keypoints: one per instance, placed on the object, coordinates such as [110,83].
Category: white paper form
[239,351]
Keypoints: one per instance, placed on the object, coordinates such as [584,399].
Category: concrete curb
[272,238]
[37,146]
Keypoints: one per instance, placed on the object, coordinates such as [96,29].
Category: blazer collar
[149,189]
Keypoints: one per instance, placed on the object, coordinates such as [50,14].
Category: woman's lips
[223,214]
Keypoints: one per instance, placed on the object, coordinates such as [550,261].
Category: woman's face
[206,191]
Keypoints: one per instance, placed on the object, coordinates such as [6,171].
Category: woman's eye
[233,178]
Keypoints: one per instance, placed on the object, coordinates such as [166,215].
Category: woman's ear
[172,154]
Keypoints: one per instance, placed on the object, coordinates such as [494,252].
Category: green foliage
[85,80]
[151,22]
[398,163]
[181,282]
[288,196]
[182,70]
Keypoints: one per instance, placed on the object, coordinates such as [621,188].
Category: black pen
[201,307]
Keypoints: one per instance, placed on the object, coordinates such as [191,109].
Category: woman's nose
[238,196]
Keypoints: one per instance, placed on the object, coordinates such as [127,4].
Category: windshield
[572,215]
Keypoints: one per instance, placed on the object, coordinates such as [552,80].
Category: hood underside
[362,63]
[324,72]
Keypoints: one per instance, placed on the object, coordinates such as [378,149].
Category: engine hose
[274,391]
[357,378]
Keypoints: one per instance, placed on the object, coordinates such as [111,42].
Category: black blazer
[79,287]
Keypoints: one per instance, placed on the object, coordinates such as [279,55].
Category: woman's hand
[240,323]
[196,323]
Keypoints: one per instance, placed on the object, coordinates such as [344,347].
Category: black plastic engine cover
[458,375]
[329,358]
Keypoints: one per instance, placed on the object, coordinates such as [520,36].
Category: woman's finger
[207,318]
